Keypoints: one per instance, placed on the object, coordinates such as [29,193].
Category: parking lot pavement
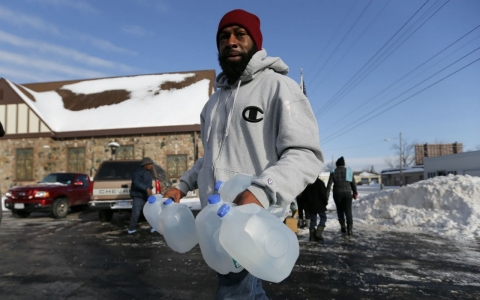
[81,258]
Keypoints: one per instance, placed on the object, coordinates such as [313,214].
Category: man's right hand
[175,194]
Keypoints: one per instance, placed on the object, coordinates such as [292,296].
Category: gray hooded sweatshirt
[261,125]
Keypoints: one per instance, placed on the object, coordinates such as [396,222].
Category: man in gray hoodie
[258,122]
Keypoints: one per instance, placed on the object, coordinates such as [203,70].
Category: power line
[359,119]
[332,137]
[381,48]
[343,39]
[353,44]
[371,68]
[404,76]
[331,38]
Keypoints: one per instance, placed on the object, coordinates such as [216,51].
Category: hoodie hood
[259,62]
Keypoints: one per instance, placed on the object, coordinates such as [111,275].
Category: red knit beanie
[246,20]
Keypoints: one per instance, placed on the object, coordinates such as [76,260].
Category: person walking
[258,122]
[343,185]
[140,190]
[302,213]
[316,201]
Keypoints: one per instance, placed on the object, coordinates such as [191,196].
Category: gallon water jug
[229,190]
[152,209]
[258,240]
[208,229]
[178,226]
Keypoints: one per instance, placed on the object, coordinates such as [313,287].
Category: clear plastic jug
[178,226]
[259,241]
[208,230]
[152,209]
[229,190]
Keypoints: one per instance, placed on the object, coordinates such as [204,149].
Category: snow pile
[447,205]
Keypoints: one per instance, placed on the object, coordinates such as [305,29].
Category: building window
[24,164]
[431,174]
[176,165]
[452,172]
[125,152]
[76,160]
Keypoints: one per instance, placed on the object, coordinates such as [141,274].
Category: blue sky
[372,69]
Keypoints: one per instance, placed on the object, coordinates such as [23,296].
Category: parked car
[111,186]
[55,194]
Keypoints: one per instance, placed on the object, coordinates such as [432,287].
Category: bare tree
[408,155]
[370,169]
[329,166]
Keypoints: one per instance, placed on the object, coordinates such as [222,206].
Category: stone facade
[51,155]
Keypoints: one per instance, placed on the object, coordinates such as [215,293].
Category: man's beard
[234,69]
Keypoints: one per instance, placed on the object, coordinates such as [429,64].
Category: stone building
[67,126]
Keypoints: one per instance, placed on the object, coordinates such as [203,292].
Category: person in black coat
[140,190]
[343,187]
[316,201]
[2,131]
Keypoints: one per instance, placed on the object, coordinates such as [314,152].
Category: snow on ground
[445,205]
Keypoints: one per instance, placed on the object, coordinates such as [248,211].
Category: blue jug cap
[168,201]
[152,199]
[223,210]
[213,199]
[217,185]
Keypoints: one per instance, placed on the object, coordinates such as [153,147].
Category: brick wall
[51,155]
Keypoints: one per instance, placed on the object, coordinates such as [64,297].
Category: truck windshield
[61,178]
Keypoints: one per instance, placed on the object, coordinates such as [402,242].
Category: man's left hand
[246,197]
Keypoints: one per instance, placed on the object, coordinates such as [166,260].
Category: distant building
[466,163]
[391,177]
[359,177]
[66,126]
[434,150]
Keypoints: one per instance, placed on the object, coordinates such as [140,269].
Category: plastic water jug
[208,230]
[178,226]
[229,190]
[259,241]
[152,209]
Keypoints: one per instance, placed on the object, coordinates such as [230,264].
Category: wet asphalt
[80,257]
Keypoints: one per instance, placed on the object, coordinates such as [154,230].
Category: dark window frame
[178,171]
[122,149]
[79,166]
[25,166]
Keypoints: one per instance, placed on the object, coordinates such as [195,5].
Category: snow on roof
[147,106]
[367,174]
[446,205]
[414,169]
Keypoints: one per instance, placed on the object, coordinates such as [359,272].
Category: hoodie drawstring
[229,118]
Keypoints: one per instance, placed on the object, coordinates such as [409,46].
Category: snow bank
[447,205]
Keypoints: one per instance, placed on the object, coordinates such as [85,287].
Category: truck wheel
[20,213]
[105,215]
[60,208]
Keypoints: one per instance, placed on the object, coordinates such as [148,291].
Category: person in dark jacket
[140,190]
[2,131]
[302,212]
[315,198]
[343,186]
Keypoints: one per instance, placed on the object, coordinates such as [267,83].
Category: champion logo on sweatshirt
[270,181]
[251,114]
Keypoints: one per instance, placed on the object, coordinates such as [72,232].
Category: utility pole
[401,172]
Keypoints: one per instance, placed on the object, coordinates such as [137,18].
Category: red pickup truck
[55,194]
